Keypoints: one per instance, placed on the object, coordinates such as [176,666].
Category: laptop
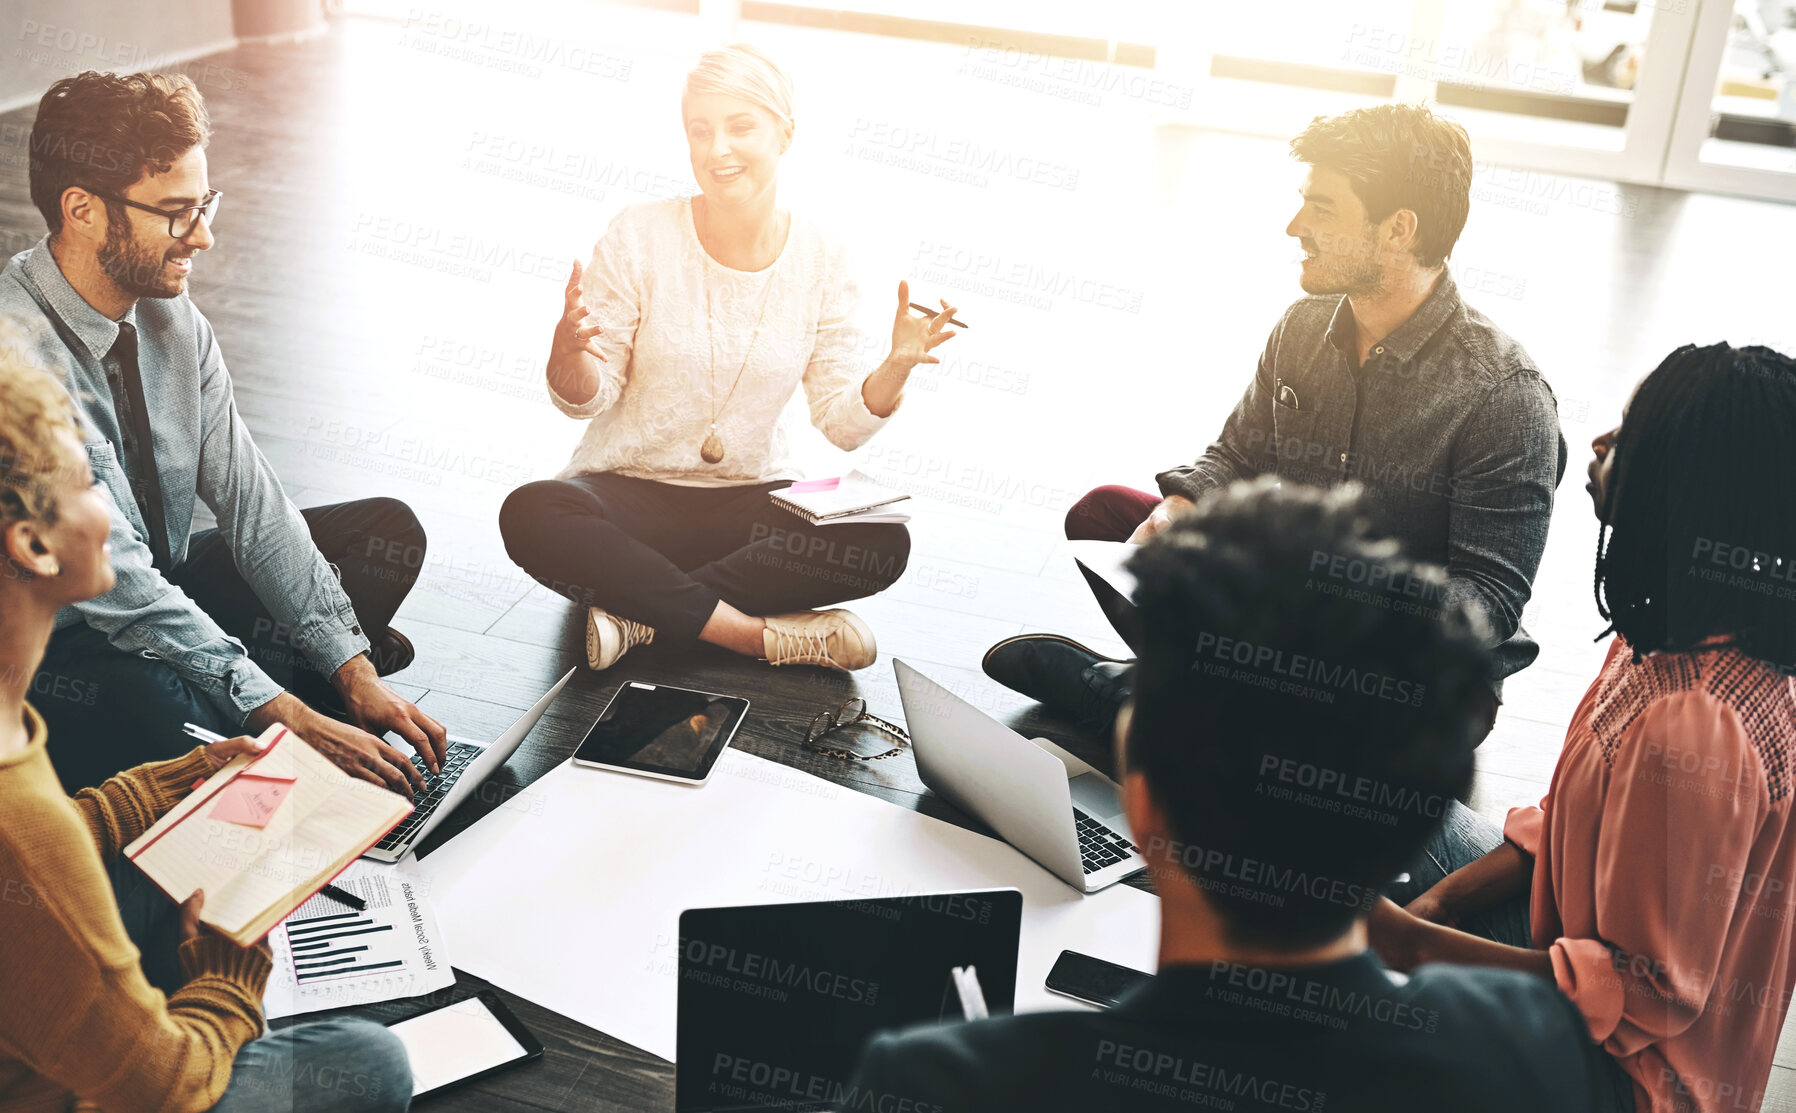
[1038,797]
[1104,566]
[466,766]
[776,1001]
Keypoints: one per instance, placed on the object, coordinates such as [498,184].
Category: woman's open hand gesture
[574,356]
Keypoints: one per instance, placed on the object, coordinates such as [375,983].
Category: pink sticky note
[806,486]
[251,799]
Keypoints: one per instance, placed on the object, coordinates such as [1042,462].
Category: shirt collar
[1407,338]
[1182,993]
[96,331]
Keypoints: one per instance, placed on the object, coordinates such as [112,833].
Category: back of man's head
[1304,706]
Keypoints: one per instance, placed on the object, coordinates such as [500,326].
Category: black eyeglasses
[850,713]
[181,222]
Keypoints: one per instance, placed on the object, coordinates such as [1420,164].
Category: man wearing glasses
[118,170]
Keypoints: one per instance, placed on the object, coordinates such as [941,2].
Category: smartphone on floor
[1092,980]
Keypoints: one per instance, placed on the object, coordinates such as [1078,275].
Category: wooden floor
[400,207]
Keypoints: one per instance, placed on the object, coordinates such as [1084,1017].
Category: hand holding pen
[928,312]
[219,749]
[914,337]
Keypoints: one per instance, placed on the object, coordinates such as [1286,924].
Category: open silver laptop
[1038,797]
[465,767]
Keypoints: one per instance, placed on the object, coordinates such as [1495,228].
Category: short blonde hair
[34,409]
[742,71]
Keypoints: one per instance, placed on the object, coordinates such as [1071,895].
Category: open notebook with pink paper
[264,833]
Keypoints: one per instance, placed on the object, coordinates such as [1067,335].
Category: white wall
[44,40]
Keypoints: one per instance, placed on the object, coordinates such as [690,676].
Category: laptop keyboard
[436,786]
[1099,846]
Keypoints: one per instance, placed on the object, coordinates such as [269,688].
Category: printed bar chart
[343,943]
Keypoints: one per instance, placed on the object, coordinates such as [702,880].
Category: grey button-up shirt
[203,451]
[1448,426]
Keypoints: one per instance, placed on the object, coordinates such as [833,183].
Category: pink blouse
[1664,877]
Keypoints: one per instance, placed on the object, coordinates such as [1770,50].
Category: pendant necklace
[711,450]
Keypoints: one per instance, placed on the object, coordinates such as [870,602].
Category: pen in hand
[193,730]
[933,312]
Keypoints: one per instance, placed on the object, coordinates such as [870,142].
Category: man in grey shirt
[1382,375]
[118,170]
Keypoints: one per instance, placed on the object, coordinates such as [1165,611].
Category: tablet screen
[673,732]
[455,1042]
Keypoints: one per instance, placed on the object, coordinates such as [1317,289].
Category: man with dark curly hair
[1287,752]
[118,170]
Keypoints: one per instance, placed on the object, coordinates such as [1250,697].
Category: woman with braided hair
[1655,882]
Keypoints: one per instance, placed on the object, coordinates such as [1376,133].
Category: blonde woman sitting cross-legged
[681,344]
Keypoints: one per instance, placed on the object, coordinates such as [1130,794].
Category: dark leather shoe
[1071,679]
[391,652]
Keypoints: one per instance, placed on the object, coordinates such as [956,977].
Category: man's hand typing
[353,749]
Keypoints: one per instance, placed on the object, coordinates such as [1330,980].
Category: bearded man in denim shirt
[118,170]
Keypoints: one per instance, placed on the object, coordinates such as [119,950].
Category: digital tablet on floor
[656,730]
[459,1043]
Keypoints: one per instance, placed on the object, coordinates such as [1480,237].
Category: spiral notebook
[264,833]
[854,497]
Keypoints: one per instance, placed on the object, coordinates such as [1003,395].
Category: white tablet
[464,1041]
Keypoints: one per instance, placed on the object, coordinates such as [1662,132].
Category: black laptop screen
[776,1001]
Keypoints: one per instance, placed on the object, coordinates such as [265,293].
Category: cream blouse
[647,285]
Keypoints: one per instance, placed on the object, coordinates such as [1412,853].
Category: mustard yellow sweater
[78,1020]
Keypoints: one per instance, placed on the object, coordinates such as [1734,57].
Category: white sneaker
[834,639]
[608,637]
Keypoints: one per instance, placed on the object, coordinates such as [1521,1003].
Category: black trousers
[108,710]
[664,555]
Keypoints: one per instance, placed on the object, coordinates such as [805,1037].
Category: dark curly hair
[1399,156]
[1699,534]
[103,133]
[1305,704]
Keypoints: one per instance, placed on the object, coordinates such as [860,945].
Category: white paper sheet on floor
[570,895]
[392,950]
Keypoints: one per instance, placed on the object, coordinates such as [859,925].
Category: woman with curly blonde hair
[111,995]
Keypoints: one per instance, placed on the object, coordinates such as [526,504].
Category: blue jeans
[339,1065]
[323,1066]
[1464,838]
[110,710]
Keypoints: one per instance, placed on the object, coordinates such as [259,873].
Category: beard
[1359,278]
[139,270]
[1354,273]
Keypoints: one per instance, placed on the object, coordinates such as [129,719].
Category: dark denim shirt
[1448,426]
[203,452]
